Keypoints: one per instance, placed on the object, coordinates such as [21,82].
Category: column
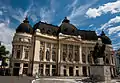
[67,70]
[44,69]
[61,70]
[59,53]
[21,69]
[22,55]
[80,54]
[44,53]
[110,57]
[80,71]
[50,70]
[11,68]
[87,70]
[58,60]
[74,71]
[37,50]
[86,55]
[35,69]
[67,52]
[73,53]
[51,52]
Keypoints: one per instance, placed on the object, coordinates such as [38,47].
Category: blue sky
[95,15]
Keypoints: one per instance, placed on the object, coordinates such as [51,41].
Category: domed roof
[67,28]
[25,27]
[105,39]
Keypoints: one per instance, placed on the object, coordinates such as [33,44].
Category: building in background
[56,50]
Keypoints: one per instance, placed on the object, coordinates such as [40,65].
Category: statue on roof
[66,20]
[26,20]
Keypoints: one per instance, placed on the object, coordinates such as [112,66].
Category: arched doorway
[70,71]
[84,71]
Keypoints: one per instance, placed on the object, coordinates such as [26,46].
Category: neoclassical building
[56,50]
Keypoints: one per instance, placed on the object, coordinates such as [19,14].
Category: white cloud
[113,30]
[111,22]
[116,47]
[6,35]
[91,25]
[73,5]
[119,34]
[46,15]
[81,10]
[93,13]
[112,7]
[33,17]
[21,14]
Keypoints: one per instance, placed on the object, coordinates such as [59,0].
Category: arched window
[84,70]
[26,55]
[18,54]
[48,31]
[53,55]
[47,55]
[43,30]
[70,57]
[64,56]
[76,57]
[89,59]
[83,58]
[107,61]
[41,54]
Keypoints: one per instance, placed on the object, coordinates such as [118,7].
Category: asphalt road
[15,79]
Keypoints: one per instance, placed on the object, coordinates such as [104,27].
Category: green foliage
[3,53]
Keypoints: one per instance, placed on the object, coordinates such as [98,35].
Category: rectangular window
[18,54]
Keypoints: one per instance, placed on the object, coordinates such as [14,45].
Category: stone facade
[117,53]
[49,55]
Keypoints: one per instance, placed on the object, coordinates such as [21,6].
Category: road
[15,79]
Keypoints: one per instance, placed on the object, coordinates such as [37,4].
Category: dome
[25,27]
[67,28]
[105,39]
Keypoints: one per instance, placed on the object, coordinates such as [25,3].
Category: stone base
[100,73]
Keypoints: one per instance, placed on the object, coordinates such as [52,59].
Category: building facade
[117,53]
[56,50]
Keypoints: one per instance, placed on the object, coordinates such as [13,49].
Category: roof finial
[102,33]
[26,20]
[65,20]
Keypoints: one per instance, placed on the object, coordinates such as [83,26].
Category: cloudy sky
[95,15]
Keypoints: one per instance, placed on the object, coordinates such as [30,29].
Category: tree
[3,53]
